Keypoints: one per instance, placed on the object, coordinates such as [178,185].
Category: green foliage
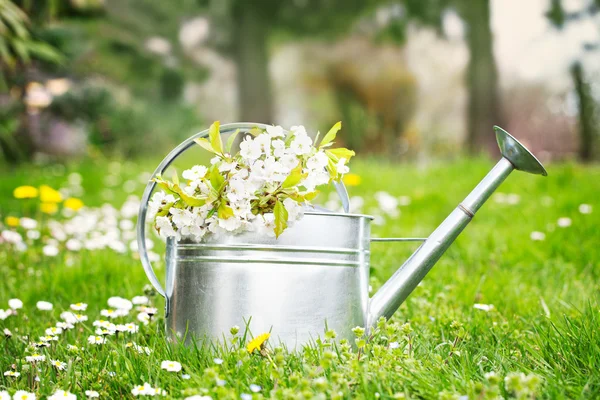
[117,125]
[281,217]
[13,147]
[171,84]
[17,46]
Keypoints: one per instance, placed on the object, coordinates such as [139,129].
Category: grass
[540,340]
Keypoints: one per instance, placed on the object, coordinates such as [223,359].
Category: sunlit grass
[544,321]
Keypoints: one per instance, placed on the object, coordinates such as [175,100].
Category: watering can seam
[327,250]
[466,210]
[251,260]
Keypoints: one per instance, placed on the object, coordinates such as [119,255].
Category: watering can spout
[393,293]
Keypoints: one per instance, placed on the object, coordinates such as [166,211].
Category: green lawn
[541,339]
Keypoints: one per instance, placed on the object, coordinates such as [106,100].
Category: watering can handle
[165,163]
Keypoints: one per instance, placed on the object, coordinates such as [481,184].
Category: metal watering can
[316,274]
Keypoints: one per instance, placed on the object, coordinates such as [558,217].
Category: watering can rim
[339,214]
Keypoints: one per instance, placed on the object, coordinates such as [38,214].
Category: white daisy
[484,307]
[59,365]
[79,306]
[35,357]
[44,306]
[23,395]
[583,208]
[140,300]
[96,340]
[62,395]
[54,331]
[171,366]
[15,304]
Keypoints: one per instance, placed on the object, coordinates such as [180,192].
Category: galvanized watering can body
[315,273]
[314,276]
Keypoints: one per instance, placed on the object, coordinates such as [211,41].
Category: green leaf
[175,177]
[317,137]
[231,139]
[213,195]
[311,195]
[166,185]
[45,52]
[337,154]
[175,190]
[211,212]
[293,178]
[205,144]
[225,211]
[192,201]
[164,210]
[215,137]
[255,131]
[330,136]
[332,168]
[281,217]
[216,179]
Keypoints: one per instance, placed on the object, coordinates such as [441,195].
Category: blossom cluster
[263,188]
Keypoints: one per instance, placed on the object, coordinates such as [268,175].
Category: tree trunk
[484,108]
[252,58]
[586,114]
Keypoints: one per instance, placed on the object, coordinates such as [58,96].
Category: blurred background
[410,79]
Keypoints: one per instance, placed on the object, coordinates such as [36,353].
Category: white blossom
[171,366]
[44,306]
[28,223]
[146,390]
[535,235]
[15,304]
[140,300]
[62,395]
[275,131]
[23,395]
[564,222]
[96,340]
[483,307]
[120,303]
[50,250]
[302,144]
[195,173]
[35,357]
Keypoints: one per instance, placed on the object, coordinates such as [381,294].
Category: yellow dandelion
[25,192]
[73,203]
[258,342]
[49,208]
[12,221]
[352,179]
[49,195]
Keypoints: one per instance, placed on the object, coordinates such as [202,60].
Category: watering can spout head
[517,154]
[391,295]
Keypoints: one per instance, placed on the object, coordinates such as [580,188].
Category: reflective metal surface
[517,154]
[315,274]
[393,293]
